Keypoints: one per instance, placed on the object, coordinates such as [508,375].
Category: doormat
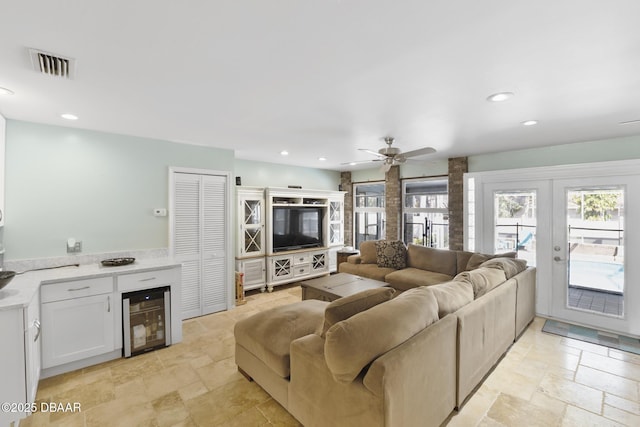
[619,342]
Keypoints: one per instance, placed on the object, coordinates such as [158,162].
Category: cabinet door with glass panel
[336,220]
[251,218]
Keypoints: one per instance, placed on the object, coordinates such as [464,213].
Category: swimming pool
[606,276]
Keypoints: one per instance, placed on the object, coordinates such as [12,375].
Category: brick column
[347,185]
[393,203]
[457,167]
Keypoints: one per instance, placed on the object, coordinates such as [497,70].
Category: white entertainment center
[287,234]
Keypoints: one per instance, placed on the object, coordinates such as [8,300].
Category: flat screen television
[297,227]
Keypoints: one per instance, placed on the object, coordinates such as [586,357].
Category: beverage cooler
[146,320]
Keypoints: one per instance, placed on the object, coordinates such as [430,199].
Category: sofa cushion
[477,259]
[410,277]
[343,308]
[482,279]
[368,253]
[268,334]
[452,295]
[510,266]
[391,254]
[430,259]
[462,259]
[352,344]
[370,271]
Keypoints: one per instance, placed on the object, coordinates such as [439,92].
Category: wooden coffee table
[330,288]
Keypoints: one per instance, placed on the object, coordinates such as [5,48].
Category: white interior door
[592,243]
[200,241]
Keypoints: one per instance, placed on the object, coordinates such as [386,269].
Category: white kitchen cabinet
[78,320]
[20,359]
[2,148]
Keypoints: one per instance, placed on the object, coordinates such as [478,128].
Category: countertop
[21,290]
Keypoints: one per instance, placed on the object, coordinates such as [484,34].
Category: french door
[590,235]
[576,225]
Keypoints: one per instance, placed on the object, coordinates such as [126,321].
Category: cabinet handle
[36,323]
[109,304]
[78,289]
[147,279]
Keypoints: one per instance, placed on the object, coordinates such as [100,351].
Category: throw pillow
[482,279]
[354,343]
[343,308]
[452,296]
[510,266]
[368,252]
[391,254]
[477,259]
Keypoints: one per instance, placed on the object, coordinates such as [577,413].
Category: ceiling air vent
[52,64]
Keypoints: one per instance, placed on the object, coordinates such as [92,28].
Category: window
[368,212]
[425,212]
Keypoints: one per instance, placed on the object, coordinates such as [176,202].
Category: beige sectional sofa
[423,266]
[389,358]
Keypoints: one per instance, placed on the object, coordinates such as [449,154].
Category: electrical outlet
[75,248]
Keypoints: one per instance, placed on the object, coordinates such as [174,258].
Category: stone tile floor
[544,380]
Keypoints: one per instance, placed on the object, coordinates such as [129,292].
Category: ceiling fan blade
[375,153]
[419,152]
[386,167]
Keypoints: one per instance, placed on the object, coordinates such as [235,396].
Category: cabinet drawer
[146,280]
[301,259]
[301,270]
[76,289]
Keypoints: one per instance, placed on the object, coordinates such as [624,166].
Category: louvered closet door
[199,241]
[214,270]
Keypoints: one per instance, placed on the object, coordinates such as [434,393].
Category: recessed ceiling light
[5,91]
[284,153]
[69,116]
[529,123]
[322,159]
[352,164]
[499,97]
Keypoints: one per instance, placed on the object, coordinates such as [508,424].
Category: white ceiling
[322,78]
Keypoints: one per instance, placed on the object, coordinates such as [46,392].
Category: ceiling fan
[391,156]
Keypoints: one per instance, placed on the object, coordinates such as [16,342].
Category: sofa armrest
[525,299]
[317,400]
[354,259]
[417,379]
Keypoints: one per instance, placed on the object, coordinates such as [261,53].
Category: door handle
[557,258]
[36,323]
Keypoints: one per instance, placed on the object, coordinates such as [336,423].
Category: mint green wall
[566,154]
[97,187]
[262,174]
